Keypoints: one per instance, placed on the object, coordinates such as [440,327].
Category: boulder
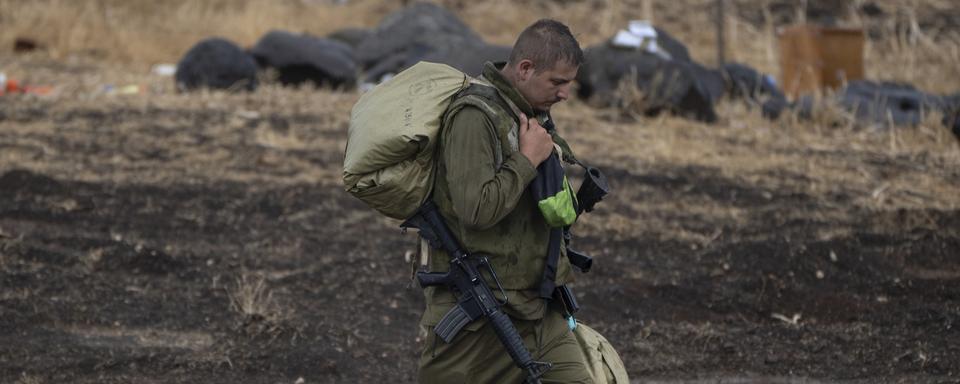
[216,63]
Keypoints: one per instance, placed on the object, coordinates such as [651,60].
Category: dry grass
[244,145]
[148,32]
[254,302]
[250,297]
[905,168]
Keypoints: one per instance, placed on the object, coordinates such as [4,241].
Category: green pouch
[559,210]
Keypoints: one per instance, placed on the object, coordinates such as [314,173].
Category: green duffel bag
[392,138]
[603,362]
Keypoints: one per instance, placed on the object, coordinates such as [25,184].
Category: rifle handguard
[508,335]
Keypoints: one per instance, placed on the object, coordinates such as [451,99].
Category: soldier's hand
[535,143]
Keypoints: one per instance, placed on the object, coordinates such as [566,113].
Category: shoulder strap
[486,94]
[486,98]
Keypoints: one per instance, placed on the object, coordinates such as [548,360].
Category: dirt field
[163,237]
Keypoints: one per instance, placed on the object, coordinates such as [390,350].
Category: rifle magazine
[451,323]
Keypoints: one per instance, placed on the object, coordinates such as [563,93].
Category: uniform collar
[491,73]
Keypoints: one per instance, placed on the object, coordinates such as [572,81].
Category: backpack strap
[485,97]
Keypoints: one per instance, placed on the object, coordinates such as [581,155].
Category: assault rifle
[475,298]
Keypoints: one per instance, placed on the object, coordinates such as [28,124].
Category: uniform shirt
[490,209]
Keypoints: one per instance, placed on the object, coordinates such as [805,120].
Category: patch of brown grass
[254,302]
[147,32]
[882,169]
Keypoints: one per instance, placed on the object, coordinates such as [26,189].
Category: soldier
[491,145]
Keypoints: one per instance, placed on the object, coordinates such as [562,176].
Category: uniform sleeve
[481,194]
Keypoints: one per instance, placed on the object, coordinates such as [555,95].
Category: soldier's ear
[525,69]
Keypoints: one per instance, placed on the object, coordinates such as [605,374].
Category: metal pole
[721,28]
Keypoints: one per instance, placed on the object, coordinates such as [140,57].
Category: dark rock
[301,58]
[216,63]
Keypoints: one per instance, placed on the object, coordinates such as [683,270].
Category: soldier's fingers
[534,123]
[523,122]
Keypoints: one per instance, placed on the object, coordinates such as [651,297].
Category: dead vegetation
[253,301]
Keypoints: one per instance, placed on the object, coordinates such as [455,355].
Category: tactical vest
[499,241]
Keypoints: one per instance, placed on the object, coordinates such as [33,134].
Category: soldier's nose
[564,92]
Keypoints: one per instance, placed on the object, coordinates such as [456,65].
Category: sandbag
[391,141]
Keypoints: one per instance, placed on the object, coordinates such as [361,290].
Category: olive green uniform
[481,191]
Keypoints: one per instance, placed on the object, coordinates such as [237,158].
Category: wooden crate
[813,58]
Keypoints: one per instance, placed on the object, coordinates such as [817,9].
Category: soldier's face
[544,88]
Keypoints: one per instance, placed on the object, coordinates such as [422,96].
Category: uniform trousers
[478,357]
